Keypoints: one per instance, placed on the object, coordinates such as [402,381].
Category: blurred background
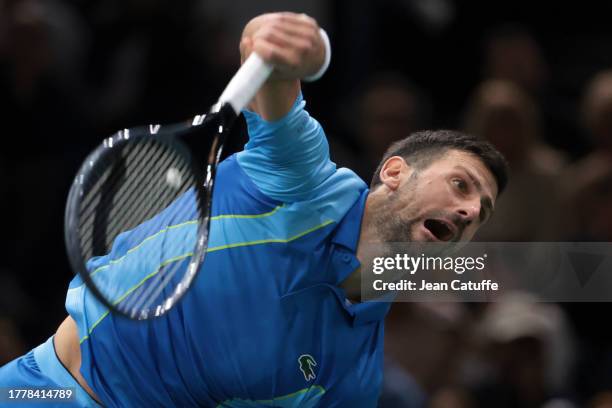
[533,78]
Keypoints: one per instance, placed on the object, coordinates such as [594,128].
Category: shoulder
[235,192]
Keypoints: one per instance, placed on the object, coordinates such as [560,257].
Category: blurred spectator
[590,199]
[387,109]
[506,116]
[513,54]
[588,189]
[452,397]
[400,390]
[597,112]
[42,41]
[42,119]
[526,356]
[423,348]
[37,52]
[601,400]
[589,181]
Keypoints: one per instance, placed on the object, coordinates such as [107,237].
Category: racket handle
[245,84]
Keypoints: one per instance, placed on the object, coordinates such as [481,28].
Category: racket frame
[203,189]
[238,93]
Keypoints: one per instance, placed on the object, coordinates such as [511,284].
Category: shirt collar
[347,235]
[349,228]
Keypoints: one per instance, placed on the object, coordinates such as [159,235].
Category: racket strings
[128,183]
[158,280]
[151,183]
[144,297]
[151,177]
[148,154]
[133,156]
[96,199]
[140,301]
[131,194]
[151,195]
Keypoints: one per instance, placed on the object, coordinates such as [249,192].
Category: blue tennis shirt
[266,322]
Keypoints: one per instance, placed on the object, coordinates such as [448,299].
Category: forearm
[275,99]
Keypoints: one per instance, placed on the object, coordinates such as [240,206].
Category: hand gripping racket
[138,213]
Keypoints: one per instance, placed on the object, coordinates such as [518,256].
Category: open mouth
[439,229]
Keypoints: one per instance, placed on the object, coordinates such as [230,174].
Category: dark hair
[420,149]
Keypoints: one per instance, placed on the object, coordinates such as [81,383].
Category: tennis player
[268,322]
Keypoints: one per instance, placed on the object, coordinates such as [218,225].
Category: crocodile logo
[307,362]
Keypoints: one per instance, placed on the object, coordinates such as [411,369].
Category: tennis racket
[138,213]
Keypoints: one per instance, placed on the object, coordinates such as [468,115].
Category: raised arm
[292,43]
[287,156]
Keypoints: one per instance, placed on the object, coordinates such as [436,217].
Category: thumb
[246,47]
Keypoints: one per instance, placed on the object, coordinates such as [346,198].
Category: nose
[469,211]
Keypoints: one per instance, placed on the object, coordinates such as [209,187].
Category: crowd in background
[537,85]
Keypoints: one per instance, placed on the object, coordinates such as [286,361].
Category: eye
[460,184]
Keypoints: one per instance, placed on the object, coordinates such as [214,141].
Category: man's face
[447,201]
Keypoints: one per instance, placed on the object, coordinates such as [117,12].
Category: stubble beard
[392,227]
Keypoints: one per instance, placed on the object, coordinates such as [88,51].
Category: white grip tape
[246,83]
[326,61]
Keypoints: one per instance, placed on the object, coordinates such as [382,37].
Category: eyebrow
[485,201]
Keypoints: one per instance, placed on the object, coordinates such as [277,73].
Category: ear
[393,171]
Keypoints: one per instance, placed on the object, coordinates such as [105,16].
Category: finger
[304,34]
[293,43]
[296,18]
[296,24]
[301,26]
[278,56]
[246,47]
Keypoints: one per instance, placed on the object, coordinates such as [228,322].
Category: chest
[302,345]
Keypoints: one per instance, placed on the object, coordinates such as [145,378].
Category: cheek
[436,195]
[425,197]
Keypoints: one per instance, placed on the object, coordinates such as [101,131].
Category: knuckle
[303,47]
[270,29]
[312,41]
[314,24]
[293,62]
[282,18]
[262,52]
[307,18]
[297,61]
[273,55]
[268,33]
[259,34]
